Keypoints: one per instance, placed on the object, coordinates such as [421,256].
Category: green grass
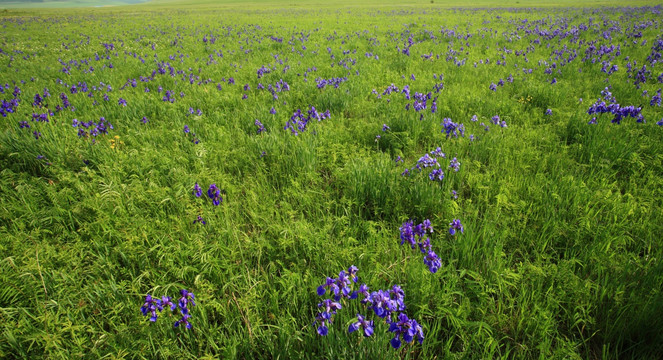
[559,258]
[307,4]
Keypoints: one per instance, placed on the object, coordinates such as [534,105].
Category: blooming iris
[384,303]
[298,121]
[367,326]
[452,129]
[406,328]
[194,139]
[415,236]
[455,225]
[260,126]
[454,164]
[151,306]
[656,99]
[166,301]
[197,190]
[215,194]
[183,303]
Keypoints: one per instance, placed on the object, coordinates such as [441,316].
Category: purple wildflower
[151,306]
[214,193]
[197,190]
[454,226]
[367,326]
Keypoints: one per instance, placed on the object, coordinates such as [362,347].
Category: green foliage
[559,258]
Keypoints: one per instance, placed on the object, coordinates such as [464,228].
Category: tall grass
[559,257]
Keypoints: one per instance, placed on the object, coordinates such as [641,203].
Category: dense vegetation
[324,132]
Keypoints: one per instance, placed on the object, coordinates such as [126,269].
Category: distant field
[66,4]
[333,180]
[147,4]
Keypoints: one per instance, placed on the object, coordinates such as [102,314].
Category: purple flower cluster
[278,87]
[497,121]
[454,164]
[608,104]
[154,305]
[200,220]
[656,99]
[452,129]
[260,126]
[8,107]
[197,190]
[641,76]
[262,71]
[194,139]
[183,303]
[420,102]
[214,193]
[169,96]
[406,328]
[91,128]
[366,326]
[198,112]
[454,226]
[335,82]
[429,161]
[298,121]
[385,304]
[406,48]
[416,236]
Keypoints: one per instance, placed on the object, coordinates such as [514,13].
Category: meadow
[475,182]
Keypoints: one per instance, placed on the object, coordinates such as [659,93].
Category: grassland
[560,256]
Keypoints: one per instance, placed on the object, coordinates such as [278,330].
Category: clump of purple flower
[429,161]
[335,82]
[186,299]
[406,328]
[298,121]
[452,129]
[386,304]
[214,193]
[497,121]
[154,305]
[416,237]
[454,226]
[91,128]
[608,104]
[197,190]
[454,164]
[260,126]
[194,139]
